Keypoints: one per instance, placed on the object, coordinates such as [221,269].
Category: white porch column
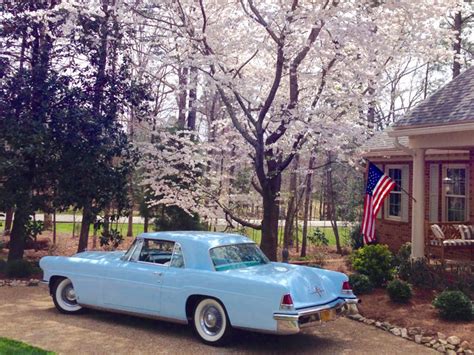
[418,210]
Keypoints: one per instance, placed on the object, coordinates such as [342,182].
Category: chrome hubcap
[211,320]
[69,295]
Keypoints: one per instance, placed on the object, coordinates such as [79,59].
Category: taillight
[346,287]
[286,302]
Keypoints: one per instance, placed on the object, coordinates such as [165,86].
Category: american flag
[379,186]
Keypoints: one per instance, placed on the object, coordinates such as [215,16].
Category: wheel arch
[53,280]
[193,300]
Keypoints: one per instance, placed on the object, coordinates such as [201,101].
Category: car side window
[156,251]
[136,252]
[177,259]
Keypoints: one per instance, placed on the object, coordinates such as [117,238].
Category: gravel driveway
[28,314]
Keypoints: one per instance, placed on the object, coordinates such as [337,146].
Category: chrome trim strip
[135,314]
[306,312]
[289,323]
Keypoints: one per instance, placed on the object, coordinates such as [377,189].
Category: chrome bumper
[292,323]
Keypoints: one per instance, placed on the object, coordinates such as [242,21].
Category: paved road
[28,314]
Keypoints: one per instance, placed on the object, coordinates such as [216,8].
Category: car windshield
[237,256]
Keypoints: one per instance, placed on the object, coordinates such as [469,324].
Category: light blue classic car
[215,281]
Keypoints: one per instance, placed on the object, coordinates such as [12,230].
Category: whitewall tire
[211,322]
[64,297]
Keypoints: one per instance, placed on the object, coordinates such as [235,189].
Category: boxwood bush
[375,261]
[454,305]
[360,284]
[399,291]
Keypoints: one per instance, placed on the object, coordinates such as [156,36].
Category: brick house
[430,153]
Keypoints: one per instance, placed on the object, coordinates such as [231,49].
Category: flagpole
[401,188]
[405,191]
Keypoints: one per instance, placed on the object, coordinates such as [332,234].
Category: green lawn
[256,235]
[251,233]
[122,227]
[13,347]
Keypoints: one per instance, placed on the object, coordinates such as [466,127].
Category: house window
[396,203]
[395,198]
[455,193]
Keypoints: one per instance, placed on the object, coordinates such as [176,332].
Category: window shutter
[405,197]
[434,192]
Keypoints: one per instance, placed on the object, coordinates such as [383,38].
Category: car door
[135,285]
[175,283]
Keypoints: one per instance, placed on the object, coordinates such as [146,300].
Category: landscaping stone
[454,340]
[355,316]
[396,331]
[33,282]
[441,349]
[451,345]
[404,333]
[414,331]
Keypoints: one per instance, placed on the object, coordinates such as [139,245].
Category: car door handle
[158,273]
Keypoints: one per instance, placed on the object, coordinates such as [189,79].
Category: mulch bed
[417,313]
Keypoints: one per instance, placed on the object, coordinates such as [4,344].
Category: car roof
[196,244]
[209,239]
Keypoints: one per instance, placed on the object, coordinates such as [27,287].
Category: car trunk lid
[306,286]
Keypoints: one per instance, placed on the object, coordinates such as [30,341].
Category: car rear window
[237,256]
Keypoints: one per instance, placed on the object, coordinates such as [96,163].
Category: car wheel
[211,322]
[64,297]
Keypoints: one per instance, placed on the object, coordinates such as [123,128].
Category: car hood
[100,255]
[308,286]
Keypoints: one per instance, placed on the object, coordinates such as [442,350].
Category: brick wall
[395,233]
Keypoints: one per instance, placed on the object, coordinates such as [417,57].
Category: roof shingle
[453,103]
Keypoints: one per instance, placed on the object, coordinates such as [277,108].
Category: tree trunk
[307,205]
[87,219]
[18,234]
[182,95]
[106,229]
[192,104]
[74,224]
[145,224]
[47,221]
[290,212]
[271,209]
[130,224]
[457,44]
[332,207]
[54,227]
[8,221]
